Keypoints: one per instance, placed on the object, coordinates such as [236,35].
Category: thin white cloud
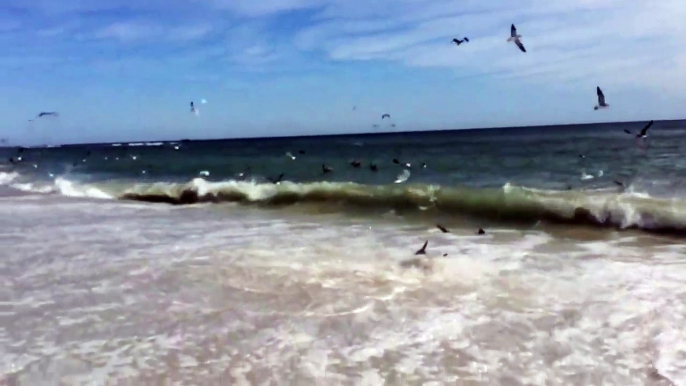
[133,31]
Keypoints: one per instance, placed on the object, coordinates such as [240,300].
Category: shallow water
[97,290]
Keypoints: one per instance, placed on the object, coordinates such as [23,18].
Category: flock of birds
[513,38]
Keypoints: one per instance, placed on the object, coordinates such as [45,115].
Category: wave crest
[509,203]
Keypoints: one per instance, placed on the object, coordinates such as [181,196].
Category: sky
[125,70]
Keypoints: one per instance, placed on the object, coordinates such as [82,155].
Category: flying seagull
[644,132]
[515,38]
[385,116]
[601,100]
[458,41]
[45,114]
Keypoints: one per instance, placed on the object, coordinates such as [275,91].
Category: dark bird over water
[373,167]
[458,41]
[395,161]
[442,228]
[385,116]
[356,164]
[618,183]
[516,38]
[644,132]
[301,151]
[276,180]
[481,232]
[423,250]
[601,100]
[326,169]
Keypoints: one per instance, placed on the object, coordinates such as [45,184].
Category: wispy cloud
[565,39]
[132,31]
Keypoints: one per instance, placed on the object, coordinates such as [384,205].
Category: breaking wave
[623,210]
[509,203]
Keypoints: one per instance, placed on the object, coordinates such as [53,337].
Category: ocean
[243,262]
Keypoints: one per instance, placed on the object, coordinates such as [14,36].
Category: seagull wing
[520,45]
[455,41]
[513,31]
[466,39]
[645,129]
[601,96]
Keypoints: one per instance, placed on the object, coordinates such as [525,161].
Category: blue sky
[126,70]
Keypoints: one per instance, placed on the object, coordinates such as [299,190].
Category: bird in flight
[193,109]
[385,116]
[516,38]
[458,41]
[644,132]
[601,100]
[45,114]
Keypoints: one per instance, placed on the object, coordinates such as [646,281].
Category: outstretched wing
[466,39]
[513,31]
[601,96]
[520,45]
[645,129]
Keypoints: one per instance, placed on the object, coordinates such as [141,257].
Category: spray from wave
[510,203]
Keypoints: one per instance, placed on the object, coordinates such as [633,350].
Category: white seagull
[515,38]
[601,100]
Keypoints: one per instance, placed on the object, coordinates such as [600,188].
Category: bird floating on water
[601,100]
[516,38]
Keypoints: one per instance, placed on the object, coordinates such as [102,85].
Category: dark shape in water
[301,151]
[326,169]
[423,165]
[627,131]
[276,180]
[423,250]
[356,164]
[395,161]
[373,167]
[481,232]
[442,228]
